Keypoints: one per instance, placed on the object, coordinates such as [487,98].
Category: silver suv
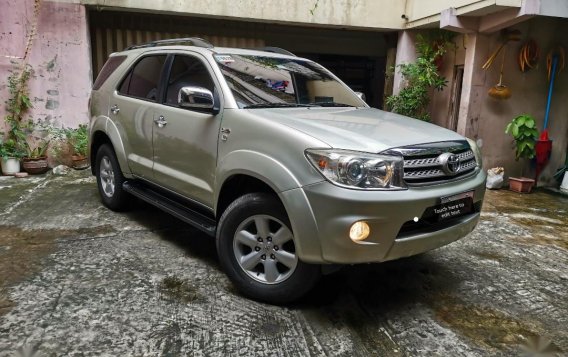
[277,159]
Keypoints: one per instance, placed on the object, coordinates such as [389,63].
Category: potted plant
[35,160]
[18,103]
[34,137]
[523,130]
[10,152]
[77,139]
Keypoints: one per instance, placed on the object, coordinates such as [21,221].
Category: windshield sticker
[225,59]
[277,85]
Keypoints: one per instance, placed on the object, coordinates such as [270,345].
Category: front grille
[423,164]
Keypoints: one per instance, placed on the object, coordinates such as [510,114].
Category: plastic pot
[10,165]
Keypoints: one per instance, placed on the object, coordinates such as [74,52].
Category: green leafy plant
[78,139]
[18,102]
[13,143]
[10,148]
[421,76]
[37,150]
[523,129]
[75,138]
[35,138]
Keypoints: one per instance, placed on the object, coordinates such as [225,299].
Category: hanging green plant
[523,129]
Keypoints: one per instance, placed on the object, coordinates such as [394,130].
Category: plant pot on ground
[10,165]
[521,184]
[78,139]
[80,162]
[523,130]
[35,165]
[75,139]
[10,152]
[35,161]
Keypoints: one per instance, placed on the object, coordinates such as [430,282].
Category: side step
[186,214]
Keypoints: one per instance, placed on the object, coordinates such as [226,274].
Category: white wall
[371,14]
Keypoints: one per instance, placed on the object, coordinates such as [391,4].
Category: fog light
[359,231]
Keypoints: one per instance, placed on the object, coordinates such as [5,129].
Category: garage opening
[357,57]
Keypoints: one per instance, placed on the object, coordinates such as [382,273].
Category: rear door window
[143,80]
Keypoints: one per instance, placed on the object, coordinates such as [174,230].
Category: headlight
[359,170]
[476,152]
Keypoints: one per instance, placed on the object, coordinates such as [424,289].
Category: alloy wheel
[264,249]
[106,174]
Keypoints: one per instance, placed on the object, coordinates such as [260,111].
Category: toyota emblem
[451,163]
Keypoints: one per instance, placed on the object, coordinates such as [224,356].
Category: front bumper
[322,214]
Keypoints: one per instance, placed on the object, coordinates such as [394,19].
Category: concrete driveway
[77,279]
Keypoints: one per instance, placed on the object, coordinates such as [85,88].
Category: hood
[367,129]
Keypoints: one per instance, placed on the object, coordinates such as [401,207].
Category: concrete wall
[485,118]
[425,12]
[60,58]
[556,8]
[440,105]
[405,53]
[372,14]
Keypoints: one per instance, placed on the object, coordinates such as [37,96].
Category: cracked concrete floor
[79,280]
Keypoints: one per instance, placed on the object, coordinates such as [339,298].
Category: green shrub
[523,129]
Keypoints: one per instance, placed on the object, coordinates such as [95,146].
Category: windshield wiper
[331,104]
[277,105]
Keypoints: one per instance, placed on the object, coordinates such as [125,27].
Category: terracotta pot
[521,184]
[10,165]
[80,162]
[35,166]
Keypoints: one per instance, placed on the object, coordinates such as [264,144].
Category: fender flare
[108,127]
[287,187]
[257,165]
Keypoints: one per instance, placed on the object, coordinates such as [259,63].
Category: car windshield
[271,82]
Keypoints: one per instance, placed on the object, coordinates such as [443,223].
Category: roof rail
[192,41]
[276,50]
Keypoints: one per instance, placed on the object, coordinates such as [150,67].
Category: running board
[170,206]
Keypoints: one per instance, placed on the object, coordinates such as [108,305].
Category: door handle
[160,121]
[114,109]
[225,133]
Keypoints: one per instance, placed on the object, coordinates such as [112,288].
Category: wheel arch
[246,168]
[301,220]
[104,131]
[238,185]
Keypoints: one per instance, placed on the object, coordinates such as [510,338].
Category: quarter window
[110,66]
[142,81]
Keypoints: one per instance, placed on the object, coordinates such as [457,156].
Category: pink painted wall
[60,57]
[487,117]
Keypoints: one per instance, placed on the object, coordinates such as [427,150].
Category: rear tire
[256,249]
[110,179]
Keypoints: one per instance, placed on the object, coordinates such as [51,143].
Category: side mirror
[361,96]
[196,98]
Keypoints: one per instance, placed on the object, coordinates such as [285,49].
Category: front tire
[110,179]
[257,251]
